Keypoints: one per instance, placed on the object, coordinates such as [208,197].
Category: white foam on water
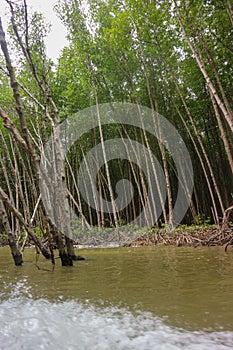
[39,324]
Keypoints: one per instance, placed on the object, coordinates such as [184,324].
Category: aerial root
[191,237]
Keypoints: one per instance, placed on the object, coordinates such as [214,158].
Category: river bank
[187,236]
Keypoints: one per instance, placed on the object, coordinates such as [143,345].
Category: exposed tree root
[190,237]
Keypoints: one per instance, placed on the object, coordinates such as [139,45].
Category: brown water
[174,287]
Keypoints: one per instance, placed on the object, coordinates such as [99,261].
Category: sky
[57,38]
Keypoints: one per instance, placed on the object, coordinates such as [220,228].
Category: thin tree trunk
[114,209]
[222,132]
[199,59]
[202,164]
[27,226]
[229,8]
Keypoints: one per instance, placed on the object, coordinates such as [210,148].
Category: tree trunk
[16,254]
[66,259]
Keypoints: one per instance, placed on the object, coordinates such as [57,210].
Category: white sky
[57,38]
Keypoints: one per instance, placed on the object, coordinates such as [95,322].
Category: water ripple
[40,324]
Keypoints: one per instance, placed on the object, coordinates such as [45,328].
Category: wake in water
[40,324]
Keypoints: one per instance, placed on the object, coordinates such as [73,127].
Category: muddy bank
[193,237]
[189,236]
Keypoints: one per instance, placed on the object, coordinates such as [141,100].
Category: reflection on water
[155,298]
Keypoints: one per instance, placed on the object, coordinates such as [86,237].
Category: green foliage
[3,237]
[202,220]
[121,222]
[39,232]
